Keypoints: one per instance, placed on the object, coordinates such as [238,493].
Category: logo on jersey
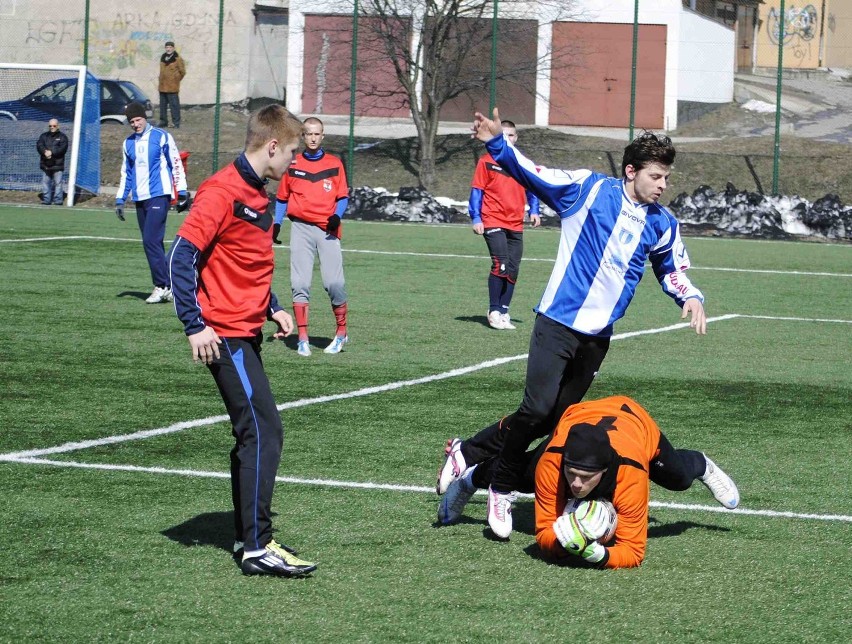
[615,263]
[254,217]
[632,216]
[625,236]
[327,185]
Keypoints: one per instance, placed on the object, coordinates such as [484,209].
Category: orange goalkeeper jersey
[635,437]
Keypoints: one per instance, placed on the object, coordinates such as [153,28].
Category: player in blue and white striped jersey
[151,170]
[610,227]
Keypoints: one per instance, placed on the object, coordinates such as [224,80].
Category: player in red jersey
[221,265]
[496,207]
[314,194]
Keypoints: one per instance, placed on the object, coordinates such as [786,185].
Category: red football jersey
[230,225]
[313,188]
[504,200]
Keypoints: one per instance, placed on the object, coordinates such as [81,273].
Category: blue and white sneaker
[336,345]
[458,494]
[303,348]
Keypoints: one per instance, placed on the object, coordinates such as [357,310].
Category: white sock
[248,554]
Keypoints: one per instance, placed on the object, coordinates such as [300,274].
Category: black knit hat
[587,448]
[168,43]
[134,110]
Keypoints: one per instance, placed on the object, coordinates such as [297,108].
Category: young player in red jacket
[221,266]
[497,205]
[314,194]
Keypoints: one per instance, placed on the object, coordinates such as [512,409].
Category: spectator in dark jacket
[52,146]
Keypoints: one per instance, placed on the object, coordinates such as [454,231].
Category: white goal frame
[80,71]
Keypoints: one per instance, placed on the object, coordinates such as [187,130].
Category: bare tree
[440,53]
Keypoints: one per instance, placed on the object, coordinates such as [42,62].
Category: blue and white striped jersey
[151,160]
[605,241]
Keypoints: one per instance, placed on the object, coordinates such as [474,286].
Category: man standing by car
[172,71]
[52,146]
[150,170]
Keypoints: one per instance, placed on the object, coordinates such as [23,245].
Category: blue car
[57,99]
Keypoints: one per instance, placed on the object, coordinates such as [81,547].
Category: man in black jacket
[52,146]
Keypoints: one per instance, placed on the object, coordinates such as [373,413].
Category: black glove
[333,224]
[119,211]
[184,201]
[276,229]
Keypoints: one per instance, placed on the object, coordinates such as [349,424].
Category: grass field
[114,451]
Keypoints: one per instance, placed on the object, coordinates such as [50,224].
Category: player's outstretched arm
[698,320]
[205,345]
[484,128]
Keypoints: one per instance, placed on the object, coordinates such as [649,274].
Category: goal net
[31,95]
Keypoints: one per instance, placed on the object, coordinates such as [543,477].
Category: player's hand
[484,128]
[574,539]
[698,321]
[285,324]
[479,228]
[535,220]
[119,211]
[205,345]
[48,154]
[183,202]
[332,224]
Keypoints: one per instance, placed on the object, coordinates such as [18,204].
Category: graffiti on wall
[128,39]
[800,29]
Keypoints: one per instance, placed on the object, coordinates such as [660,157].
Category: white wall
[707,60]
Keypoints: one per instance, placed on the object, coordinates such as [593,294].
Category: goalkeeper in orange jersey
[608,449]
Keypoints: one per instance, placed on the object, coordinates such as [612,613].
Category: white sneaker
[160,294]
[303,348]
[507,321]
[336,345]
[721,485]
[458,494]
[500,513]
[454,465]
[495,320]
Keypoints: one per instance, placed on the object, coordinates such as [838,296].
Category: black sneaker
[277,561]
[239,550]
[162,124]
[276,228]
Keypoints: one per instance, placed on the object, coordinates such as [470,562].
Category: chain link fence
[401,77]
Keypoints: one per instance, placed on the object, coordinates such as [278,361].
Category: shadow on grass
[481,319]
[139,295]
[475,319]
[291,342]
[658,530]
[209,529]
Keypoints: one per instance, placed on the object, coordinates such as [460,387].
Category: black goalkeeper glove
[184,201]
[119,211]
[333,224]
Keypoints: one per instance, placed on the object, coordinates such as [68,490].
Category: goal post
[31,95]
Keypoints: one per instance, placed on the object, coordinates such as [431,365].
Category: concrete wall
[801,34]
[126,40]
[838,34]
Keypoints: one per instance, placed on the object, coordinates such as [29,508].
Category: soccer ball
[582,507]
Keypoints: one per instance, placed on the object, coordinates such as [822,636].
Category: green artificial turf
[130,541]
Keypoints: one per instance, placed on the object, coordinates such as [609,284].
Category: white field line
[189,424]
[392,487]
[440,256]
